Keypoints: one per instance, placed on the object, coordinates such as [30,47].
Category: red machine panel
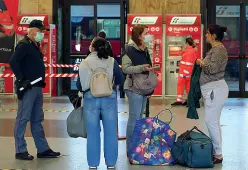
[178,28]
[185,25]
[155,47]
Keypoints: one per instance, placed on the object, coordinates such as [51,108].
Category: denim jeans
[107,106]
[137,104]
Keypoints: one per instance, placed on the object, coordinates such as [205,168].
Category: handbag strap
[164,111]
[194,128]
[79,98]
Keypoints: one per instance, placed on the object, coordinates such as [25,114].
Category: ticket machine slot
[157,67]
[178,63]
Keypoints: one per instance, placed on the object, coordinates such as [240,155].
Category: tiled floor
[234,127]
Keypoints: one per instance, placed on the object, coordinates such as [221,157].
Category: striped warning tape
[47,110]
[50,65]
[47,75]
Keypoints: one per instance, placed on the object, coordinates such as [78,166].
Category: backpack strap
[89,66]
[93,71]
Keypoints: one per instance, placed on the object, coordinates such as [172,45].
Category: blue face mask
[39,37]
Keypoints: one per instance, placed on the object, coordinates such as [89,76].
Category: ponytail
[100,46]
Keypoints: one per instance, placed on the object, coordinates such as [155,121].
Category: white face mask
[148,39]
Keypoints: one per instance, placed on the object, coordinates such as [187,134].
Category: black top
[138,57]
[27,61]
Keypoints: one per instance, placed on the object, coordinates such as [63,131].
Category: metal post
[148,108]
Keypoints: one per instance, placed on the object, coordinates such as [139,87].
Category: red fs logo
[175,21]
[136,20]
[221,10]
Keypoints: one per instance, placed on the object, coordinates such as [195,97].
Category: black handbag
[75,99]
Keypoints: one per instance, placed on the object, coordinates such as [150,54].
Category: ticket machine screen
[175,51]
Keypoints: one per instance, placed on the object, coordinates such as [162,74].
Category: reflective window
[229,16]
[108,10]
[82,26]
[110,26]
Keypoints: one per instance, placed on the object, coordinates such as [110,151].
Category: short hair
[136,33]
[190,41]
[102,34]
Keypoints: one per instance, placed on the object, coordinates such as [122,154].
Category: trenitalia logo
[221,10]
[136,20]
[28,19]
[183,20]
[145,20]
[175,20]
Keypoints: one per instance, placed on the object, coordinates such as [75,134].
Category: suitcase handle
[164,111]
[194,128]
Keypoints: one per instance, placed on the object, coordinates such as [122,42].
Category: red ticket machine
[47,45]
[155,48]
[178,28]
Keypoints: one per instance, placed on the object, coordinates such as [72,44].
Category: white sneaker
[92,167]
[110,167]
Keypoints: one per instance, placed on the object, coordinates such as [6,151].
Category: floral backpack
[151,142]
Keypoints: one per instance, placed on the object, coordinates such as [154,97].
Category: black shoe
[217,161]
[24,156]
[176,104]
[185,103]
[48,154]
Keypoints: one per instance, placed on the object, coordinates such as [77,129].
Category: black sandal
[217,161]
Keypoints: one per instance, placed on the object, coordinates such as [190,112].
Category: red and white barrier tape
[50,65]
[47,75]
[6,75]
[61,65]
[61,75]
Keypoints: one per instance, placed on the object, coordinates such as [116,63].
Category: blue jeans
[107,106]
[30,109]
[137,104]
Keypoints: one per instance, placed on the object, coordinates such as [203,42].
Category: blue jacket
[27,61]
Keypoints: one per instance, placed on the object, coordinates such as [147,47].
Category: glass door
[84,20]
[109,22]
[233,15]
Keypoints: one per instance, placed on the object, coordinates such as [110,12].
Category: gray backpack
[144,84]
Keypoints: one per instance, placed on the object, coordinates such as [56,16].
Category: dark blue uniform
[27,64]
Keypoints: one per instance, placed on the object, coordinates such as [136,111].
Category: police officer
[27,65]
